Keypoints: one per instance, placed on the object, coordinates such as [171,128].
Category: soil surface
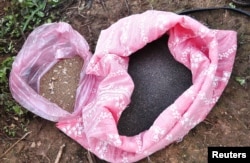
[59,84]
[227,124]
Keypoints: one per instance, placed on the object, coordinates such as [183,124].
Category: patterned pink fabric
[209,54]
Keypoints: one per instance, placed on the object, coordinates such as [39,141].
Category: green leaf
[241,80]
[40,14]
[17,109]
[232,5]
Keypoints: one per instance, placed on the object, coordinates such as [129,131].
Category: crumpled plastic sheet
[44,47]
[105,86]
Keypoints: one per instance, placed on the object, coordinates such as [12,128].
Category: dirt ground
[227,125]
[59,84]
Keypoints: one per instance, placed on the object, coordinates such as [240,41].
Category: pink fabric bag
[106,88]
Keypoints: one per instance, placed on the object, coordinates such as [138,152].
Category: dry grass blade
[91,158]
[24,136]
[59,154]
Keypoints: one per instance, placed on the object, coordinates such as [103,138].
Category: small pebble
[33,145]
[64,71]
[39,143]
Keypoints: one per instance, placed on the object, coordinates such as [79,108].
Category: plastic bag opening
[44,47]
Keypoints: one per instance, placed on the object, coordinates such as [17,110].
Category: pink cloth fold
[208,53]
